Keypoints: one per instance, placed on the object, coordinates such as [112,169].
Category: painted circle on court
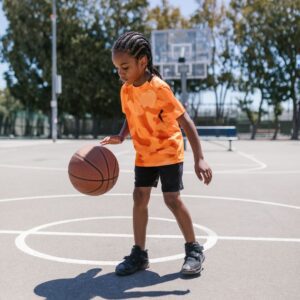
[253,201]
[22,245]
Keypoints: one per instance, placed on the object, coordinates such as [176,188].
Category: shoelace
[130,259]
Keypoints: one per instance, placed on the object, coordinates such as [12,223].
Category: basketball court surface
[58,244]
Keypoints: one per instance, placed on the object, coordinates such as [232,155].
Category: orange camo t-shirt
[151,111]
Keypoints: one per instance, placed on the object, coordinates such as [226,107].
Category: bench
[265,131]
[211,133]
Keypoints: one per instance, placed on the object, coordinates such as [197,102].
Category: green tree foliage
[268,36]
[9,107]
[166,16]
[257,41]
[117,17]
[85,33]
[220,72]
[245,103]
[26,46]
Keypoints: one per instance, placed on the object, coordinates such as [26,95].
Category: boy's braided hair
[136,45]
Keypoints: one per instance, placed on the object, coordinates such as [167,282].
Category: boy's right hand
[114,139]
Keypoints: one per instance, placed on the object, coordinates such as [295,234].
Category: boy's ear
[144,61]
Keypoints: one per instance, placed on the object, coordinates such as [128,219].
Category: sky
[187,9]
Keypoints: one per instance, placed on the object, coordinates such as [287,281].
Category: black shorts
[170,177]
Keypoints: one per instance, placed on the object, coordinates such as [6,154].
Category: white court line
[233,172]
[275,172]
[32,167]
[155,236]
[20,241]
[41,197]
[23,143]
[154,195]
[261,166]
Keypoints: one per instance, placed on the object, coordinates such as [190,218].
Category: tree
[220,72]
[26,46]
[86,32]
[167,17]
[245,103]
[117,17]
[285,41]
[9,106]
[267,33]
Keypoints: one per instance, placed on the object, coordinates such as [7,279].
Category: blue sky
[187,8]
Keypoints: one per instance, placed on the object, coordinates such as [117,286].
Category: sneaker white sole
[194,271]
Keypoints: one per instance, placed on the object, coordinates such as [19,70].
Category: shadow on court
[108,286]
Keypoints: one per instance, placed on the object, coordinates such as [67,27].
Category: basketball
[93,170]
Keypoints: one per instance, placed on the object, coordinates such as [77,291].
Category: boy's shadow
[108,286]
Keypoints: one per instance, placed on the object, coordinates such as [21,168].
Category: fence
[37,125]
[25,124]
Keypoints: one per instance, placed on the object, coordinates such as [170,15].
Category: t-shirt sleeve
[171,104]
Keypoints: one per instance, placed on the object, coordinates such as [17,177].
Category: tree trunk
[27,124]
[296,115]
[95,127]
[1,122]
[253,131]
[14,120]
[77,127]
[296,121]
[50,123]
[6,126]
[256,123]
[276,121]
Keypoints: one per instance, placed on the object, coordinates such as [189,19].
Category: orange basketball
[93,170]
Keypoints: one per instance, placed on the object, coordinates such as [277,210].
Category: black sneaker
[193,260]
[137,260]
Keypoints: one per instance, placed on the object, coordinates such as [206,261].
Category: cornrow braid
[136,45]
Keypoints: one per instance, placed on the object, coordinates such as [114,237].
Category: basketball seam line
[95,190]
[113,178]
[76,154]
[86,179]
[116,161]
[106,162]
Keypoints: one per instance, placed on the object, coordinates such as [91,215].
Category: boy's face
[129,68]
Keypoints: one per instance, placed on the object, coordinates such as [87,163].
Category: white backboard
[168,46]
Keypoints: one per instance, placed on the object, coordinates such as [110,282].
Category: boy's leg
[194,256]
[171,178]
[138,258]
[141,197]
[184,220]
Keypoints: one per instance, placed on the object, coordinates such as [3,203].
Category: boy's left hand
[203,171]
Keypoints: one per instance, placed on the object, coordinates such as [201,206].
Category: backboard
[170,46]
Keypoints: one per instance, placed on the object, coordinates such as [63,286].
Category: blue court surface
[59,244]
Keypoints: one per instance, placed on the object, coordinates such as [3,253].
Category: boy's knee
[172,200]
[141,197]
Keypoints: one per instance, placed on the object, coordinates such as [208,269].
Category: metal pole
[184,99]
[183,69]
[183,89]
[54,71]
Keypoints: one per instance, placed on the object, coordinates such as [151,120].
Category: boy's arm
[202,169]
[117,139]
[124,130]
